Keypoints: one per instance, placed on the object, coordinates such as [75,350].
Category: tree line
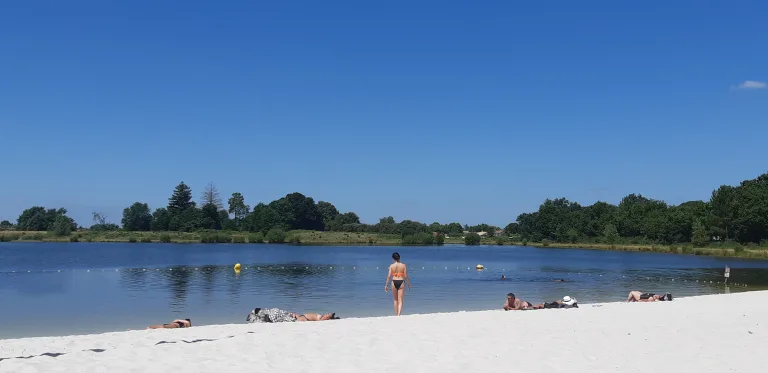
[294,211]
[733,213]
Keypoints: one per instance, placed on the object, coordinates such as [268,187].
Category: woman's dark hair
[396,256]
[189,321]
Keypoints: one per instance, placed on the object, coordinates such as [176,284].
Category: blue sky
[424,110]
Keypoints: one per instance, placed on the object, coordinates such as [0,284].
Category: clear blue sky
[424,110]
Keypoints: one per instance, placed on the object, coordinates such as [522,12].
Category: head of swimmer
[511,298]
[503,277]
[396,256]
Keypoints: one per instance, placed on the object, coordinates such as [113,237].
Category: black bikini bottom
[397,284]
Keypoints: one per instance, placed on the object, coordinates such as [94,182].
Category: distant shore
[687,334]
[355,238]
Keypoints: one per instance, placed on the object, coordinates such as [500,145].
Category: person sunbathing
[636,296]
[566,302]
[273,315]
[514,304]
[175,324]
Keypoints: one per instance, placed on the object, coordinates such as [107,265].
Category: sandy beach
[715,333]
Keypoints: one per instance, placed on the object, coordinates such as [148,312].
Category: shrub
[132,239]
[275,235]
[89,239]
[74,238]
[146,239]
[738,249]
[687,249]
[440,239]
[214,237]
[33,237]
[165,238]
[62,226]
[545,242]
[472,239]
[294,239]
[257,237]
[370,241]
[238,239]
[673,249]
[9,237]
[418,239]
[525,242]
[499,240]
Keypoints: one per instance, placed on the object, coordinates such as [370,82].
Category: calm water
[66,288]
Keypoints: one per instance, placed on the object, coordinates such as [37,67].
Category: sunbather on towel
[636,296]
[272,315]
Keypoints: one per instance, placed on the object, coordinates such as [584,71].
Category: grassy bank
[296,237]
[347,238]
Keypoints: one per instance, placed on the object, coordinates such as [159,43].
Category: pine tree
[181,199]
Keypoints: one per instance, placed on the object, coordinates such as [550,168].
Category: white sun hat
[568,301]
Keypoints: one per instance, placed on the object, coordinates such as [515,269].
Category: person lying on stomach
[272,315]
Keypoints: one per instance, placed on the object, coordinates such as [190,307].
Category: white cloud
[752,84]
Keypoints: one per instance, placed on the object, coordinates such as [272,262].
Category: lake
[52,289]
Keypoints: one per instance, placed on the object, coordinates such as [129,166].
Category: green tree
[62,225]
[472,238]
[237,208]
[161,220]
[209,217]
[137,217]
[296,211]
[440,239]
[188,220]
[699,237]
[327,212]
[227,223]
[511,229]
[610,234]
[262,219]
[5,224]
[181,199]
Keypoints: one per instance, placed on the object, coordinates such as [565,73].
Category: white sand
[717,333]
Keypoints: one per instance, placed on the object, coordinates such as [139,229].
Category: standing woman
[398,272]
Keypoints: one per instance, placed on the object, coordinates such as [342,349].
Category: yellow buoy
[237,267]
[480,266]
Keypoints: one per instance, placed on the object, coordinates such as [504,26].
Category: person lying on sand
[176,324]
[566,302]
[636,296]
[514,304]
[272,315]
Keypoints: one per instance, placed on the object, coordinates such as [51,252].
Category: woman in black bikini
[398,272]
[176,324]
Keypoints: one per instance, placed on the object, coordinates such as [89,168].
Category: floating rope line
[270,268]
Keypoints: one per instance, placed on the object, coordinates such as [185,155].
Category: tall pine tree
[181,199]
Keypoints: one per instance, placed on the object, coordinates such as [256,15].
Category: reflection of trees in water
[178,278]
[134,279]
[291,278]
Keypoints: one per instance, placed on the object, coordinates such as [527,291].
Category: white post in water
[727,274]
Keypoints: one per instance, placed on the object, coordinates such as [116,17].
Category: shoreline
[326,238]
[688,333]
[425,314]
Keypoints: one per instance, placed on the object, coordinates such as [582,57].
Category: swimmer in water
[503,277]
[558,280]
